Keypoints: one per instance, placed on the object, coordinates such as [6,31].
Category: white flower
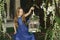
[42,6]
[50,9]
[53,7]
[47,12]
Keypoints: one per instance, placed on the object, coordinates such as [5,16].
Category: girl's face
[20,12]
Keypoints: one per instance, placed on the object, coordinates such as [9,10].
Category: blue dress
[22,32]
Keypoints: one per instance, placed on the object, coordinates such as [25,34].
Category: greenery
[3,34]
[54,33]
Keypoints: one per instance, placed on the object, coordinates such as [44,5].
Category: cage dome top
[34,17]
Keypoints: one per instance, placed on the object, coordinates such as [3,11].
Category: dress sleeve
[20,21]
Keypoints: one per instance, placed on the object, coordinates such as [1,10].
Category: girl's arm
[32,8]
[14,29]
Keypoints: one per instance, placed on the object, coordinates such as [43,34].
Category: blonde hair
[16,17]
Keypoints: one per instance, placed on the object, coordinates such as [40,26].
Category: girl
[21,30]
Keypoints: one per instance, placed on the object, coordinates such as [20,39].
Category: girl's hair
[16,17]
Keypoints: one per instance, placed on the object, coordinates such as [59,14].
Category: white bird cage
[34,23]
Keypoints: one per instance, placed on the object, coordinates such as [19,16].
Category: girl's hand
[14,32]
[32,8]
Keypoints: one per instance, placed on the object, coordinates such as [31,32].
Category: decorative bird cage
[34,23]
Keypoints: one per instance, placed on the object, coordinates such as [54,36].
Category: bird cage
[34,23]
